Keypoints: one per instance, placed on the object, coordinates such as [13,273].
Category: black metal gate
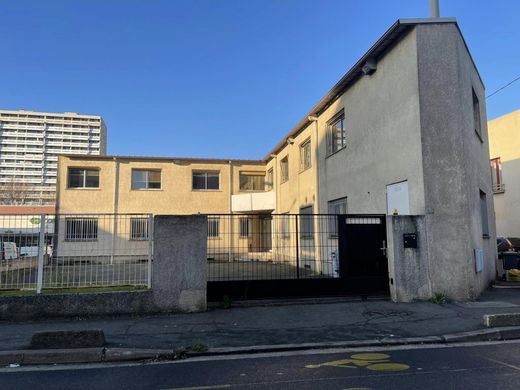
[252,256]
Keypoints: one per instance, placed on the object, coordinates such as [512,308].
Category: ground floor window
[81,229]
[138,229]
[337,206]
[244,227]
[213,227]
[306,222]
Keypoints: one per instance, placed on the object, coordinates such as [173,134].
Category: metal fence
[75,251]
[272,246]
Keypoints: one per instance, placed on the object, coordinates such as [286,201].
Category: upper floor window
[496,176]
[269,180]
[336,137]
[205,181]
[284,169]
[83,178]
[146,179]
[476,114]
[252,181]
[305,155]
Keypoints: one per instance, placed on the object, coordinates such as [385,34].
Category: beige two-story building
[402,134]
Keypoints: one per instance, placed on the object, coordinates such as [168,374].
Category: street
[471,366]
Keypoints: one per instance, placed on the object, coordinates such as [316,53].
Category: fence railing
[75,251]
[272,246]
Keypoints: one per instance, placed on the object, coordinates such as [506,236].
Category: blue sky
[216,78]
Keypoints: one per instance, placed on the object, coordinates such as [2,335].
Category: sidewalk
[285,324]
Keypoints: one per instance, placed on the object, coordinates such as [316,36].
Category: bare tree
[14,193]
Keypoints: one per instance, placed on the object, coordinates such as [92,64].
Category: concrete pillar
[180,263]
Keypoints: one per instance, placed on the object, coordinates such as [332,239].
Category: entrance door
[362,250]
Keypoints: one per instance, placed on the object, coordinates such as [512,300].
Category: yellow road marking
[388,367]
[370,356]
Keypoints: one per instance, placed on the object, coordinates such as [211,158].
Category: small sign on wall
[479,260]
[397,199]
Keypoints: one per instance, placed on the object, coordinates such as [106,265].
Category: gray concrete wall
[178,280]
[382,135]
[455,163]
[180,262]
[409,267]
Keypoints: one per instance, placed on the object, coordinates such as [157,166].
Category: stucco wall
[456,163]
[504,143]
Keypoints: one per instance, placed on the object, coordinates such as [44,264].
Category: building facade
[504,146]
[30,143]
[403,135]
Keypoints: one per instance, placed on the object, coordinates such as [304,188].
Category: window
[213,227]
[484,214]
[284,169]
[496,176]
[252,181]
[476,114]
[305,155]
[81,229]
[306,222]
[83,178]
[139,229]
[244,227]
[336,138]
[146,179]
[205,181]
[269,180]
[285,227]
[337,206]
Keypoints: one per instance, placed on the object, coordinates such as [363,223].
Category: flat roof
[63,114]
[162,159]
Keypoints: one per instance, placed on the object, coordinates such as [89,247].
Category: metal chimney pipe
[434,9]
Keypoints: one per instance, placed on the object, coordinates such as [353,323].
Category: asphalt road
[489,366]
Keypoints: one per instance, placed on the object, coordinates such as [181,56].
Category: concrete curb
[102,355]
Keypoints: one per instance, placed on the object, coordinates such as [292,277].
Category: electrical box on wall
[397,199]
[410,240]
[479,260]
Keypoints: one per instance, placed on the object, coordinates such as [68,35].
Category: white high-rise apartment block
[30,143]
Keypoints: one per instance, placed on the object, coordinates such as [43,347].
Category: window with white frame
[306,222]
[305,155]
[269,180]
[83,178]
[336,134]
[202,181]
[496,175]
[337,206]
[245,224]
[252,181]
[143,179]
[81,229]
[284,169]
[213,227]
[139,229]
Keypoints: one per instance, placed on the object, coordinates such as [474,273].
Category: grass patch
[75,290]
[439,299]
[198,348]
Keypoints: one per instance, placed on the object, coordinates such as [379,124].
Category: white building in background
[30,143]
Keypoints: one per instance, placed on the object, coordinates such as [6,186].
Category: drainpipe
[115,208]
[317,162]
[231,219]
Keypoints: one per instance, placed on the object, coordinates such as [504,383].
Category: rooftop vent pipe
[434,9]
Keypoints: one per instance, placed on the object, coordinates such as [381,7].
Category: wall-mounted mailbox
[410,240]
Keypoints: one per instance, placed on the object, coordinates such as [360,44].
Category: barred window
[81,229]
[213,227]
[286,226]
[306,222]
[284,169]
[139,229]
[244,227]
[305,155]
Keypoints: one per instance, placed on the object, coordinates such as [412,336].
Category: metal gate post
[150,250]
[41,249]
[297,249]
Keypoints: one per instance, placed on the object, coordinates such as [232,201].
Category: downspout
[115,208]
[319,220]
[231,219]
